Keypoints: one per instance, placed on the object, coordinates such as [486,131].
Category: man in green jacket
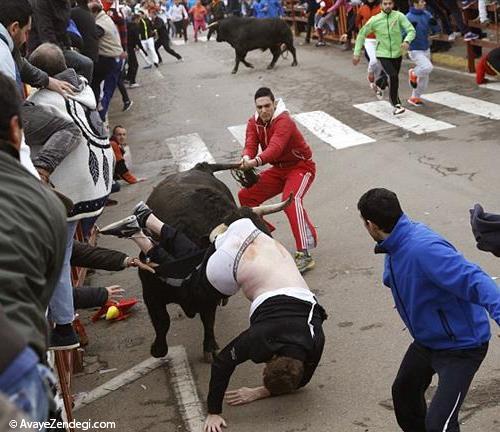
[388,26]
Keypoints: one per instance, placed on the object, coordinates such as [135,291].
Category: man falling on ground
[283,146]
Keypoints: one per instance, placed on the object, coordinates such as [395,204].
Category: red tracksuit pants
[295,179]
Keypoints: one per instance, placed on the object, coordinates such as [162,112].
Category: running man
[293,170]
[444,301]
[420,52]
[387,27]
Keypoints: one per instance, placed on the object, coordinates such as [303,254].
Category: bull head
[272,208]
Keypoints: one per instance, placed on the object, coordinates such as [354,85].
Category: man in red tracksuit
[293,171]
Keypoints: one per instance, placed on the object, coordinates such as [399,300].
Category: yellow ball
[112,313]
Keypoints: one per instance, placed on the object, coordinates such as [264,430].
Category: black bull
[247,34]
[194,202]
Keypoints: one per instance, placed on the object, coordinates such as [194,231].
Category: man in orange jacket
[118,142]
[283,146]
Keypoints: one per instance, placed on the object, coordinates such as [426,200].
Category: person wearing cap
[444,301]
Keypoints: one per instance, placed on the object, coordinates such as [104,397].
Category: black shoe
[124,228]
[142,212]
[63,340]
[127,105]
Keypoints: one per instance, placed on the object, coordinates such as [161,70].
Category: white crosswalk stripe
[466,104]
[188,150]
[332,131]
[239,133]
[491,86]
[409,120]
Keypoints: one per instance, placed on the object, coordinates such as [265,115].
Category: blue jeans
[31,394]
[110,84]
[61,306]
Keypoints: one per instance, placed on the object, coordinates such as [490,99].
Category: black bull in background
[247,34]
[194,202]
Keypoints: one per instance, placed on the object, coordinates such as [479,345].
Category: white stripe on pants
[149,47]
[374,65]
[423,68]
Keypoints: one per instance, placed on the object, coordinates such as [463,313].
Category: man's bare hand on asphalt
[214,423]
[63,88]
[355,60]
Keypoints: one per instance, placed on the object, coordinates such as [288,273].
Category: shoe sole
[65,348]
[415,104]
[117,224]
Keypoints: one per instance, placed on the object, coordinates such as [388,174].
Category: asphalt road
[438,176]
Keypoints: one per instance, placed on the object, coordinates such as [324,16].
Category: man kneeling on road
[285,319]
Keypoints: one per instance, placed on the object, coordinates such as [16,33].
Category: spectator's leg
[110,84]
[158,44]
[483,12]
[150,43]
[455,370]
[408,390]
[298,182]
[422,70]
[133,66]
[309,26]
[456,13]
[29,392]
[61,307]
[81,64]
[100,72]
[148,59]
[168,49]
[391,67]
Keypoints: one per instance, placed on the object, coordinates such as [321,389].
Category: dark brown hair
[283,375]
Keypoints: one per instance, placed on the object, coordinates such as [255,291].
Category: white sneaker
[398,109]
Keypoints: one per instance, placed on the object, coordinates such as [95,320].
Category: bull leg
[210,346]
[276,51]
[291,48]
[236,64]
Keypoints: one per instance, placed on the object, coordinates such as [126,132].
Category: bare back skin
[257,269]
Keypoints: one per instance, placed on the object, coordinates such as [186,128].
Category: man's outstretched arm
[246,395]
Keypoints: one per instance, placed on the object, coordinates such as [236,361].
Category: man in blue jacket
[444,301]
[420,52]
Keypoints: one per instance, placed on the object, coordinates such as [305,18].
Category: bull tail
[205,166]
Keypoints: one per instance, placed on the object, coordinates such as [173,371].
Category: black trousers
[391,67]
[165,43]
[310,24]
[181,29]
[455,369]
[133,66]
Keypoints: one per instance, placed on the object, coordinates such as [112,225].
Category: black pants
[455,370]
[133,66]
[391,67]
[309,25]
[165,43]
[181,29]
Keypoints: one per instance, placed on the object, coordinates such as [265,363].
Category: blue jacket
[441,297]
[261,9]
[424,24]
[275,10]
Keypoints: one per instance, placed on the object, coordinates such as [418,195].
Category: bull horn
[213,25]
[223,167]
[272,208]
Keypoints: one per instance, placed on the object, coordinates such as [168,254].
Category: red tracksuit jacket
[281,141]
